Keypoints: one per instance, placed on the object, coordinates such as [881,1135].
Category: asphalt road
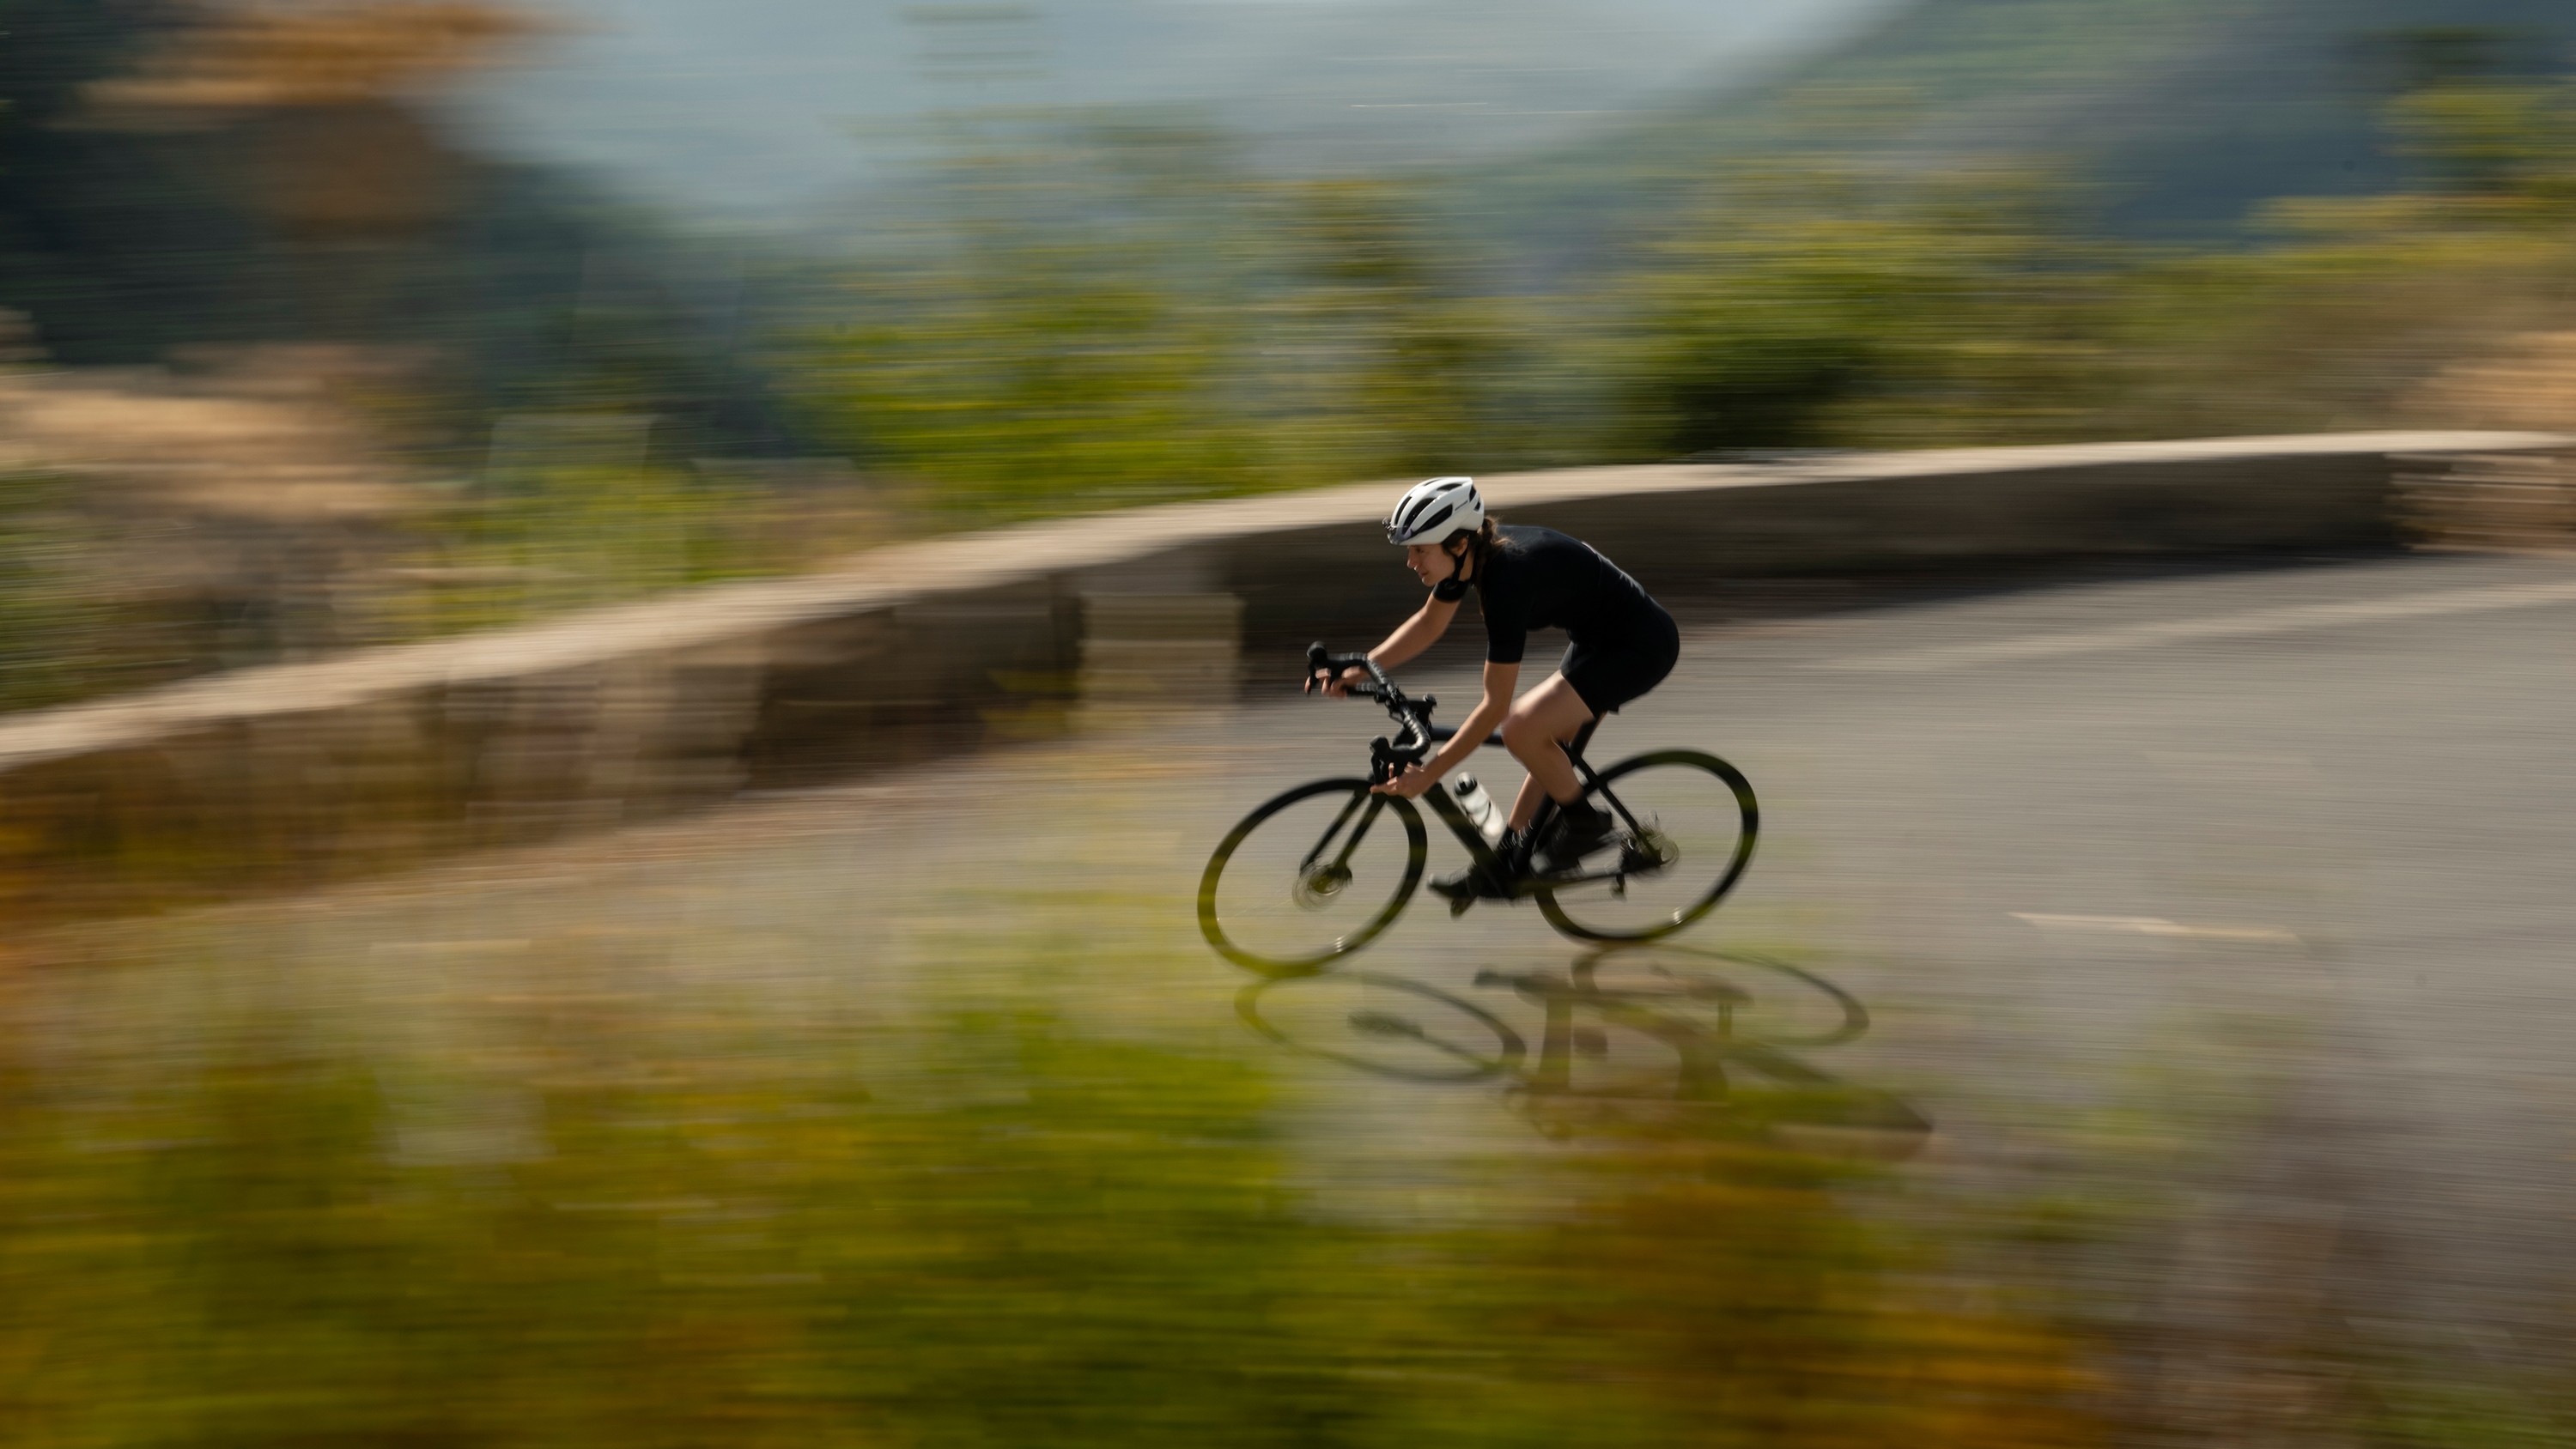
[2279,863]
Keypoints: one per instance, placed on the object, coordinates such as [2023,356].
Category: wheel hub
[1318,886]
[1650,851]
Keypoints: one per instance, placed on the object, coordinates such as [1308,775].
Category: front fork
[1341,866]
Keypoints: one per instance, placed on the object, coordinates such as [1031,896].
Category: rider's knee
[1522,733]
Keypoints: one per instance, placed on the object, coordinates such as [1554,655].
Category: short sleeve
[1506,627]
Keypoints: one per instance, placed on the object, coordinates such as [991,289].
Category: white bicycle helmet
[1433,509]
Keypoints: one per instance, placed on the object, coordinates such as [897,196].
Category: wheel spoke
[1687,829]
[1346,879]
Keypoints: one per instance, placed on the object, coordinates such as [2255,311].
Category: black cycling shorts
[1609,675]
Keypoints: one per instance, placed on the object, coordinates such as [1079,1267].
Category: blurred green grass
[609,1217]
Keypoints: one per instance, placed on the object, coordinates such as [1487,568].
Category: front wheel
[1685,824]
[1310,876]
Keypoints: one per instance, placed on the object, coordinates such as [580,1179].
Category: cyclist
[1525,577]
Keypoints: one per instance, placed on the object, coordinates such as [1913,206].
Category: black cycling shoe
[1580,829]
[1474,883]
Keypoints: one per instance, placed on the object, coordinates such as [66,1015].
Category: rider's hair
[1481,545]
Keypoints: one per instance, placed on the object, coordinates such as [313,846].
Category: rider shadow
[1660,1038]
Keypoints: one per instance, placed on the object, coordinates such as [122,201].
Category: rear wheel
[1685,825]
[1311,876]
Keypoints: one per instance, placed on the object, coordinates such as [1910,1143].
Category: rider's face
[1430,562]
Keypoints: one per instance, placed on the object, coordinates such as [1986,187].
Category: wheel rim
[1282,895]
[1699,824]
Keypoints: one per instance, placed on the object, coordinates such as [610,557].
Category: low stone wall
[2520,502]
[298,775]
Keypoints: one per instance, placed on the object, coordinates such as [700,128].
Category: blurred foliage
[1078,311]
[1089,322]
[536,541]
[1398,356]
[1119,313]
[174,175]
[603,1217]
[1027,374]
[1827,307]
[2421,1406]
[179,181]
[2354,303]
[55,628]
[2181,116]
[1734,1300]
[1831,304]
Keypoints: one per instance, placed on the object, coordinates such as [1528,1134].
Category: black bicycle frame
[1387,759]
[1451,814]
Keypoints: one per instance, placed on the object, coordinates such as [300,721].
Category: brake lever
[1381,761]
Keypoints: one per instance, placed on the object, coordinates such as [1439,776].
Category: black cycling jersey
[1537,578]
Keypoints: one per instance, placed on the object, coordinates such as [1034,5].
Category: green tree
[58,639]
[1025,373]
[2509,145]
[1039,336]
[2352,302]
[1398,358]
[1119,313]
[1827,306]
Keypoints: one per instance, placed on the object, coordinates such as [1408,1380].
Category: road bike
[1321,870]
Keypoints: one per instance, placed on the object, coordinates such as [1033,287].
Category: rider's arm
[1417,633]
[1488,716]
[1410,638]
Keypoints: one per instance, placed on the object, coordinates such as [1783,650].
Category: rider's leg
[1541,724]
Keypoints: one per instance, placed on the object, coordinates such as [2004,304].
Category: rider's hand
[1336,688]
[1410,784]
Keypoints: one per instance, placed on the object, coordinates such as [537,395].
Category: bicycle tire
[1397,1046]
[1663,916]
[1270,961]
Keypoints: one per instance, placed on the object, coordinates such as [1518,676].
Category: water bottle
[1479,807]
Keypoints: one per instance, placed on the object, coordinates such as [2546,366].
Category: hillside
[2180,116]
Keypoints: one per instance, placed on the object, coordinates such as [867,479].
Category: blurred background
[2213,1091]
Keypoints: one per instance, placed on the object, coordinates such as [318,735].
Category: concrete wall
[294,776]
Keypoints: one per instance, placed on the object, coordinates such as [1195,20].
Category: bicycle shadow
[1660,1037]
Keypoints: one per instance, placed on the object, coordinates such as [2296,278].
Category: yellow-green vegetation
[1833,304]
[1123,316]
[543,540]
[1826,307]
[2357,302]
[1132,318]
[1076,313]
[1101,315]
[57,629]
[608,1217]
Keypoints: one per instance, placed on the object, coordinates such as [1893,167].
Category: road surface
[2280,862]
